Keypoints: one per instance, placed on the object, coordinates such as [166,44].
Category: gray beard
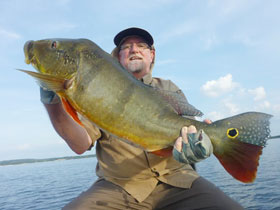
[136,66]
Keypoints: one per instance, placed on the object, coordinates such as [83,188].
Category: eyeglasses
[141,46]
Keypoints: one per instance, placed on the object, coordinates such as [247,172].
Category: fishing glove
[48,96]
[198,148]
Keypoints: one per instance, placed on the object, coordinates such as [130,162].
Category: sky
[223,54]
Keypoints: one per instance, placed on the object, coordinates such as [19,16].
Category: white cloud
[266,104]
[259,93]
[224,109]
[237,100]
[8,34]
[214,115]
[231,107]
[215,88]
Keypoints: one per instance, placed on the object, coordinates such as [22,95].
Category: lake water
[50,185]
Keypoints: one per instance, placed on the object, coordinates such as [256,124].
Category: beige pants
[104,195]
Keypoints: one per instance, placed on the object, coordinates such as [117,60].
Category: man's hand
[192,146]
[48,96]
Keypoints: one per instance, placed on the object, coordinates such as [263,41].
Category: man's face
[136,56]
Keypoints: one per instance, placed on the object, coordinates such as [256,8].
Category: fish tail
[238,143]
[241,161]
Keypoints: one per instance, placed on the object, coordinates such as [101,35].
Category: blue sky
[223,54]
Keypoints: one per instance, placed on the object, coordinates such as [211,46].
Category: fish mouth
[28,52]
[29,55]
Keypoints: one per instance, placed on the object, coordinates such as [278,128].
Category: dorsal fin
[179,103]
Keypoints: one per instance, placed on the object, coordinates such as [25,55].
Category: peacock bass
[93,83]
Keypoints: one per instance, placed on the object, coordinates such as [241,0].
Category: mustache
[135,55]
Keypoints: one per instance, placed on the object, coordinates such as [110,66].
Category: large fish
[94,84]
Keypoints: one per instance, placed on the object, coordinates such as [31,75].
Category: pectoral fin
[48,81]
[57,85]
[241,160]
[71,111]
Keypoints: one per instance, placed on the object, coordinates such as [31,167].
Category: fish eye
[53,45]
[232,133]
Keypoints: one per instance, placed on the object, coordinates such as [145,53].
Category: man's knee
[215,197]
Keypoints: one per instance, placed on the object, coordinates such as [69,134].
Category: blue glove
[48,96]
[198,148]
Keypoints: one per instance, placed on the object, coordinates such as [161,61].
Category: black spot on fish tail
[251,127]
[232,133]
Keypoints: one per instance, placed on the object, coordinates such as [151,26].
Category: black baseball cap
[134,32]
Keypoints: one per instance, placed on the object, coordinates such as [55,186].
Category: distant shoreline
[28,161]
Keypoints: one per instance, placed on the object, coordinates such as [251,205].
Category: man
[129,177]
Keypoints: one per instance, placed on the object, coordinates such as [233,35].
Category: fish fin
[71,111]
[166,152]
[179,103]
[48,81]
[57,85]
[250,127]
[241,160]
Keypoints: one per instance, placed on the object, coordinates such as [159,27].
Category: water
[50,185]
[263,193]
[44,186]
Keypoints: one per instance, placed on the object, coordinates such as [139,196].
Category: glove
[198,148]
[48,96]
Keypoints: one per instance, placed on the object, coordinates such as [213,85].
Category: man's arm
[75,135]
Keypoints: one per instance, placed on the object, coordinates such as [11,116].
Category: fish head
[57,57]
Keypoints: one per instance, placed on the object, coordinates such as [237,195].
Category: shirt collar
[147,79]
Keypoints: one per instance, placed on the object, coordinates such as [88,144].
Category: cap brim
[133,32]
